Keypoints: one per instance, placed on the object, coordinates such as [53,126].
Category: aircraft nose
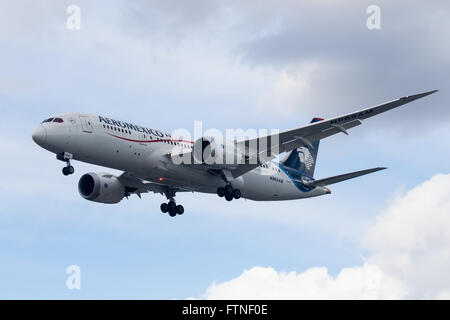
[39,135]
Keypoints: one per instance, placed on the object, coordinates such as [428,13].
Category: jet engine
[101,187]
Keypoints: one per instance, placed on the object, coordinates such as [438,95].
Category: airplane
[146,157]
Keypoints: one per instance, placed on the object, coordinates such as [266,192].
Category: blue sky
[230,65]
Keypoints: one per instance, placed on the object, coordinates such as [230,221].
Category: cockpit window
[47,120]
[59,120]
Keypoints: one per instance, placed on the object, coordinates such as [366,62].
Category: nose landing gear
[68,169]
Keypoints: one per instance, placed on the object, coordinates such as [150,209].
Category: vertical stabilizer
[303,158]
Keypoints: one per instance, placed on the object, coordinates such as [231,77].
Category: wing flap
[309,139]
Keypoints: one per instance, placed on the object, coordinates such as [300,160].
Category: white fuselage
[143,152]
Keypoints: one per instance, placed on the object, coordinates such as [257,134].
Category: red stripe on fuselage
[148,141]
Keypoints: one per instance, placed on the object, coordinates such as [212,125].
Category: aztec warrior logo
[306,157]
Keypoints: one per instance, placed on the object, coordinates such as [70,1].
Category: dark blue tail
[303,158]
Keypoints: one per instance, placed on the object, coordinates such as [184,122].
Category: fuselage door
[86,124]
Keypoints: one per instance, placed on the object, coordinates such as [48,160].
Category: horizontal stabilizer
[340,178]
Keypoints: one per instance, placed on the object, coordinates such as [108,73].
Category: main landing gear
[68,169]
[228,192]
[171,207]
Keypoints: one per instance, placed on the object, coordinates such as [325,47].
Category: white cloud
[366,282]
[410,258]
[288,90]
[410,240]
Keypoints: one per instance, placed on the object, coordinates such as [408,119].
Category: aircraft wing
[339,178]
[304,136]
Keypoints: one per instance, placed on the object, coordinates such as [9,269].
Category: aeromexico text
[231,134]
[126,125]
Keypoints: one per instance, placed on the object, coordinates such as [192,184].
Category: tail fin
[303,158]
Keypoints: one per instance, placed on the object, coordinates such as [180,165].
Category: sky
[230,64]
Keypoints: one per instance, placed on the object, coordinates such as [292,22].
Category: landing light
[160,179]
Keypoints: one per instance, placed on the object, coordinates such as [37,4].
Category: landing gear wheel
[68,170]
[236,193]
[229,193]
[180,209]
[164,207]
[172,213]
[228,196]
[221,191]
[172,208]
[228,190]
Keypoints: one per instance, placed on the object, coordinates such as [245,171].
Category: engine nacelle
[216,152]
[101,187]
